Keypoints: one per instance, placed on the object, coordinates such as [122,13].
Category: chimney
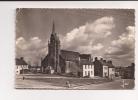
[22,58]
[96,58]
[104,61]
[101,59]
[109,62]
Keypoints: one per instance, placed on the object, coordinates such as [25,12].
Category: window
[113,69]
[105,68]
[88,73]
[91,72]
[85,67]
[85,73]
[89,66]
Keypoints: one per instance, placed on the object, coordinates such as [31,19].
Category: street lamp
[23,72]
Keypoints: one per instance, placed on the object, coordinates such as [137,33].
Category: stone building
[104,68]
[98,67]
[52,63]
[127,72]
[57,60]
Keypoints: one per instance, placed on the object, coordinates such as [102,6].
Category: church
[59,61]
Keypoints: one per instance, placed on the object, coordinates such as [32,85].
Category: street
[30,82]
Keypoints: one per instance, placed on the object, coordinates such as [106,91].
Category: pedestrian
[23,77]
[68,84]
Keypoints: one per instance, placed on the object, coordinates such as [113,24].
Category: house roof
[104,63]
[110,65]
[85,62]
[20,62]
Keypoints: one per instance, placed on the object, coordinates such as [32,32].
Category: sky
[106,33]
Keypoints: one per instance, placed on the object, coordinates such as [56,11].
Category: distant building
[132,71]
[128,72]
[35,69]
[21,66]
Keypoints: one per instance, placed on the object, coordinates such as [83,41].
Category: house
[111,70]
[21,66]
[105,69]
[87,69]
[98,67]
[86,65]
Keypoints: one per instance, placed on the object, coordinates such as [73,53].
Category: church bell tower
[54,51]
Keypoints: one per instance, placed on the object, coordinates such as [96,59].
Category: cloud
[83,38]
[32,50]
[123,47]
[101,26]
[98,46]
[21,43]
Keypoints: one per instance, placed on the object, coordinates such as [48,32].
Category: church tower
[54,51]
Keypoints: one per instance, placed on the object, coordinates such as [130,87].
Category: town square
[76,49]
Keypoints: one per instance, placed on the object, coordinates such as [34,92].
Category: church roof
[44,61]
[69,55]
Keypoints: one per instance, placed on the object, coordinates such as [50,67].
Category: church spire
[53,28]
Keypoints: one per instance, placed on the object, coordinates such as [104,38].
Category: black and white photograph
[74,49]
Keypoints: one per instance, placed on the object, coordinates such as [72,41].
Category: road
[47,83]
[115,85]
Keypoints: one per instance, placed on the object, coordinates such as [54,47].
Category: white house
[111,70]
[111,74]
[21,66]
[88,70]
[105,70]
[108,69]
